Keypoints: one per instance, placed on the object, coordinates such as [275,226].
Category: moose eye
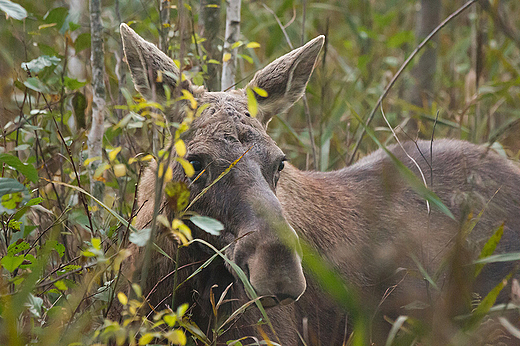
[281,166]
[197,166]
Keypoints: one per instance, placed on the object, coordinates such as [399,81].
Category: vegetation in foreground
[62,250]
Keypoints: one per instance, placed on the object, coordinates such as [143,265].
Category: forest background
[61,250]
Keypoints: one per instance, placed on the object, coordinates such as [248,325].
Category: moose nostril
[285,299]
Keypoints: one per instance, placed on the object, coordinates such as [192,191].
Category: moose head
[260,239]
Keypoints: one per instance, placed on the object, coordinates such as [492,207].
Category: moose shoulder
[365,219]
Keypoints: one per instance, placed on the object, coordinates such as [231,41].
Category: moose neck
[318,200]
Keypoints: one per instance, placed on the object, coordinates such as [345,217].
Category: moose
[365,220]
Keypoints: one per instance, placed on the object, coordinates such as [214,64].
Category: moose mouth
[271,301]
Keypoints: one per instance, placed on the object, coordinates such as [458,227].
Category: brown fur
[365,219]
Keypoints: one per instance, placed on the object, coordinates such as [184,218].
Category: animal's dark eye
[197,166]
[281,166]
[248,114]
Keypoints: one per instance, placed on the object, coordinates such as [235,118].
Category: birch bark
[210,29]
[229,60]
[95,137]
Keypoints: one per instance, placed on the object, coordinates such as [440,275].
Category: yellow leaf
[163,220]
[176,337]
[260,91]
[122,298]
[99,171]
[147,158]
[188,96]
[132,160]
[137,290]
[226,57]
[120,170]
[236,44]
[176,223]
[96,243]
[170,319]
[146,339]
[45,26]
[188,168]
[253,45]
[185,230]
[181,237]
[252,105]
[169,175]
[159,78]
[180,148]
[160,170]
[90,160]
[112,155]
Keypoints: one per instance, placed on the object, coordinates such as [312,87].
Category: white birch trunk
[95,137]
[231,36]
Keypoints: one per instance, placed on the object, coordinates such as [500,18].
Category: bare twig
[304,97]
[400,71]
[406,153]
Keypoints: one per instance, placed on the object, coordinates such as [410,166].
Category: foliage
[60,266]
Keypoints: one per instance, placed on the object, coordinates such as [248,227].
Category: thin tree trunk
[423,73]
[165,25]
[229,62]
[95,137]
[210,28]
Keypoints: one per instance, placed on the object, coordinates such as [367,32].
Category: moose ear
[285,79]
[151,69]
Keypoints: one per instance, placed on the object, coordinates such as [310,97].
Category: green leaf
[140,238]
[489,248]
[22,211]
[70,267]
[11,262]
[26,169]
[13,10]
[35,305]
[17,247]
[178,194]
[41,62]
[60,248]
[37,85]
[56,15]
[61,285]
[82,42]
[79,104]
[73,84]
[400,38]
[207,224]
[506,257]
[486,304]
[73,26]
[246,58]
[12,195]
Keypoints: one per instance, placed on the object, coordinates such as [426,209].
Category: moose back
[366,220]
